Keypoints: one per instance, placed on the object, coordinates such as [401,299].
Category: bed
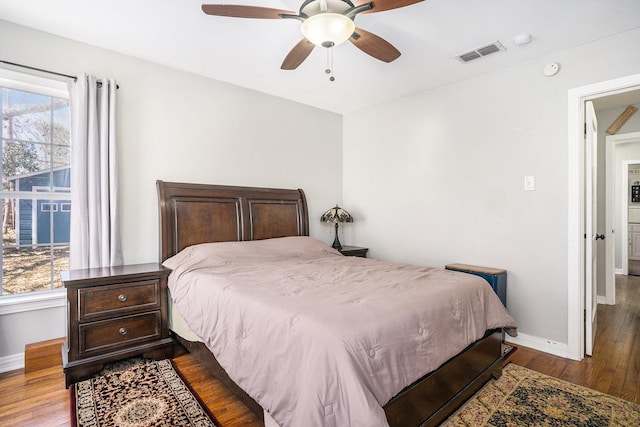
[194,217]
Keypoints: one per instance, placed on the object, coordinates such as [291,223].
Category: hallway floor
[634,267]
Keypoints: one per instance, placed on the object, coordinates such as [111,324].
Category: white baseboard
[11,363]
[540,344]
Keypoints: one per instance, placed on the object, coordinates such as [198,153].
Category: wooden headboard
[199,213]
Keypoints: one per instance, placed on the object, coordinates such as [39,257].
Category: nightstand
[114,313]
[496,277]
[354,251]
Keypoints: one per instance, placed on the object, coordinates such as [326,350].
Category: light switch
[529,183]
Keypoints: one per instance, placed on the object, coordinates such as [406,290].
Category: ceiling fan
[325,23]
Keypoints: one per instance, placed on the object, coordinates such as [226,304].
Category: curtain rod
[39,69]
[75,78]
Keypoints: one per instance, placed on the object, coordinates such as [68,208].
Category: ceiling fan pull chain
[329,69]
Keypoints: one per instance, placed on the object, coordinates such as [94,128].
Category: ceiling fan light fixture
[328,29]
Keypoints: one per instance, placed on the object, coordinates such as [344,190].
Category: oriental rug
[137,393]
[522,397]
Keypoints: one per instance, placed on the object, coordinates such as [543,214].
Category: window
[35,194]
[49,207]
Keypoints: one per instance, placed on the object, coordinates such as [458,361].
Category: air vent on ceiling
[480,52]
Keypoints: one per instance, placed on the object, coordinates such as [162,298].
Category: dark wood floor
[615,365]
[40,399]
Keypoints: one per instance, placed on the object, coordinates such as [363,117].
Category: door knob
[600,236]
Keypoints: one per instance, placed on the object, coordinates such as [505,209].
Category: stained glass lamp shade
[336,215]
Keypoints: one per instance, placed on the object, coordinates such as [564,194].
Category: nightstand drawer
[108,334]
[103,301]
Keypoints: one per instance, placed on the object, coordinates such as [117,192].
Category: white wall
[177,126]
[449,164]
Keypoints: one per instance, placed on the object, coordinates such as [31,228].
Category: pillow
[210,254]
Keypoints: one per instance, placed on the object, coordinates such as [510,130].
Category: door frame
[575,198]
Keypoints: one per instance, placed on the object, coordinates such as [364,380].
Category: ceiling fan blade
[382,5]
[238,11]
[297,55]
[374,45]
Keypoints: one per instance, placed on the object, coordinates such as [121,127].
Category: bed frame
[199,213]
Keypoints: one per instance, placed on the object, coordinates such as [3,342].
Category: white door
[591,224]
[634,241]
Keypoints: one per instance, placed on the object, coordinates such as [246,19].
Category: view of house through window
[35,193]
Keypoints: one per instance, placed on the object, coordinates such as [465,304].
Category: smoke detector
[480,52]
[522,39]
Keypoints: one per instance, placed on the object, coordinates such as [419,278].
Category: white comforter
[319,339]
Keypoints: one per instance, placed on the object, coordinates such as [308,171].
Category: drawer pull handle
[123,331]
[122,297]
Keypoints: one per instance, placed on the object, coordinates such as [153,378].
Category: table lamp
[336,215]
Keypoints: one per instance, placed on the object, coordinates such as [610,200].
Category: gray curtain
[95,227]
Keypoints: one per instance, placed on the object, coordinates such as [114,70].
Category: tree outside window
[35,193]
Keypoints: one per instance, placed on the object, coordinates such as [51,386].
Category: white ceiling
[615,101]
[249,52]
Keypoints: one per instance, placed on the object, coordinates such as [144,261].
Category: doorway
[629,256]
[622,150]
[577,264]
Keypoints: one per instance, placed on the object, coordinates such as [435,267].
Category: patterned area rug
[507,350]
[522,397]
[137,393]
